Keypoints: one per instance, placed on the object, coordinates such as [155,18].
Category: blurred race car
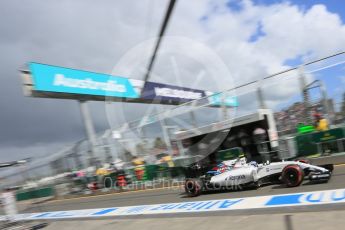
[237,174]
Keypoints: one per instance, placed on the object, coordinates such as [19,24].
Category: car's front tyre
[292,175]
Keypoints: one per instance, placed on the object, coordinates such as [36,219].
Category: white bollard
[9,204]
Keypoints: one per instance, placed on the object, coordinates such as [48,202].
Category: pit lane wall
[274,201]
[321,143]
[318,148]
[36,193]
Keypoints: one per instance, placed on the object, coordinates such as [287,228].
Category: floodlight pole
[260,97]
[75,155]
[160,36]
[305,94]
[166,136]
[192,116]
[178,142]
[90,131]
[319,84]
[326,108]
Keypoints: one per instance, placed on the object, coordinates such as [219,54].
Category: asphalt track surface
[176,194]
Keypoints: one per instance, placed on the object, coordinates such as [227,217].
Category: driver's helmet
[253,163]
[239,162]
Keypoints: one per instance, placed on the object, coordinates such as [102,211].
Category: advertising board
[64,80]
[50,81]
[163,92]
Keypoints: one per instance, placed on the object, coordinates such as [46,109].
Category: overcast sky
[253,39]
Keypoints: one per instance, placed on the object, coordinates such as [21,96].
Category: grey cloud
[94,35]
[80,34]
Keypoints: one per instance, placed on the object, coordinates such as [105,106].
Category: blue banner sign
[162,92]
[64,80]
[59,80]
[336,196]
[223,99]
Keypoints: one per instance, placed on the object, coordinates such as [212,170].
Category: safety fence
[280,91]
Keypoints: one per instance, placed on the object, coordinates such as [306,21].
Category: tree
[127,155]
[140,149]
[159,143]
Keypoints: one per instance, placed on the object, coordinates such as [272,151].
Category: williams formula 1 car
[237,174]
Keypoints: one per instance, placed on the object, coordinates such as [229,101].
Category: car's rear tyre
[292,175]
[193,187]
